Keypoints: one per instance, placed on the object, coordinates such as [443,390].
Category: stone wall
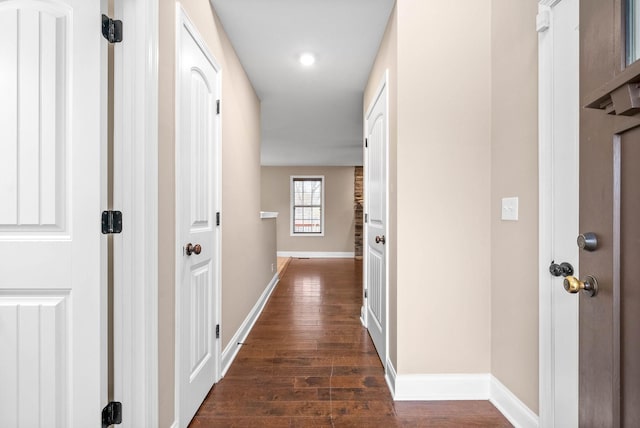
[358,202]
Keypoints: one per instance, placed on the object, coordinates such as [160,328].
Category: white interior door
[52,278]
[197,143]
[559,214]
[376,224]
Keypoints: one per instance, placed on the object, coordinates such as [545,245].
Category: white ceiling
[310,115]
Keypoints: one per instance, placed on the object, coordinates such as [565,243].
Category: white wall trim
[231,350]
[419,387]
[510,406]
[547,113]
[318,254]
[545,120]
[474,386]
[136,195]
[268,214]
[390,376]
[549,3]
[174,424]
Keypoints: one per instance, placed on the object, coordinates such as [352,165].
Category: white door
[376,221]
[197,143]
[559,214]
[52,282]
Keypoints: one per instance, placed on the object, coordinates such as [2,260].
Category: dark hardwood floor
[308,362]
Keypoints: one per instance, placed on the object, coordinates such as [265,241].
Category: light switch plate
[510,209]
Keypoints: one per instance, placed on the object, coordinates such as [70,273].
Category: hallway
[309,362]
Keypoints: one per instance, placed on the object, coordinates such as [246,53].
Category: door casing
[135,192]
[552,125]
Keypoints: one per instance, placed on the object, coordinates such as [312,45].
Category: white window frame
[291,204]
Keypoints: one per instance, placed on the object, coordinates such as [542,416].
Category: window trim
[291,205]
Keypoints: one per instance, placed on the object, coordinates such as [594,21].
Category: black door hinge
[366,218]
[218,219]
[217,106]
[111,29]
[365,293]
[217,331]
[111,222]
[366,143]
[112,414]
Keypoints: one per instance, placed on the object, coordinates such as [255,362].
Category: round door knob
[192,249]
[380,239]
[563,269]
[573,285]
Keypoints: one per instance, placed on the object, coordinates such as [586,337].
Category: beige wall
[443,180]
[339,208]
[241,224]
[514,159]
[438,286]
[463,124]
[387,59]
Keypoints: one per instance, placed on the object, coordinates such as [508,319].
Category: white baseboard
[390,376]
[232,348]
[317,254]
[510,406]
[461,387]
[424,387]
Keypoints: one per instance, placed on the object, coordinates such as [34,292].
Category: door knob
[192,249]
[380,239]
[563,269]
[573,285]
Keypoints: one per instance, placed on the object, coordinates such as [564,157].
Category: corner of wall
[514,172]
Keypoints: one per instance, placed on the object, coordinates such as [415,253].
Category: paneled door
[197,147]
[609,283]
[52,278]
[376,220]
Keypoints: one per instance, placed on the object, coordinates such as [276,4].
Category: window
[307,206]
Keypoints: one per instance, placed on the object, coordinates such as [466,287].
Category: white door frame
[545,128]
[136,195]
[183,20]
[384,83]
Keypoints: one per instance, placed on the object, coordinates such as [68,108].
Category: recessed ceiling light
[307,59]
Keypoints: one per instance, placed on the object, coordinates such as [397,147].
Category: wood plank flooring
[283,262]
[308,362]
